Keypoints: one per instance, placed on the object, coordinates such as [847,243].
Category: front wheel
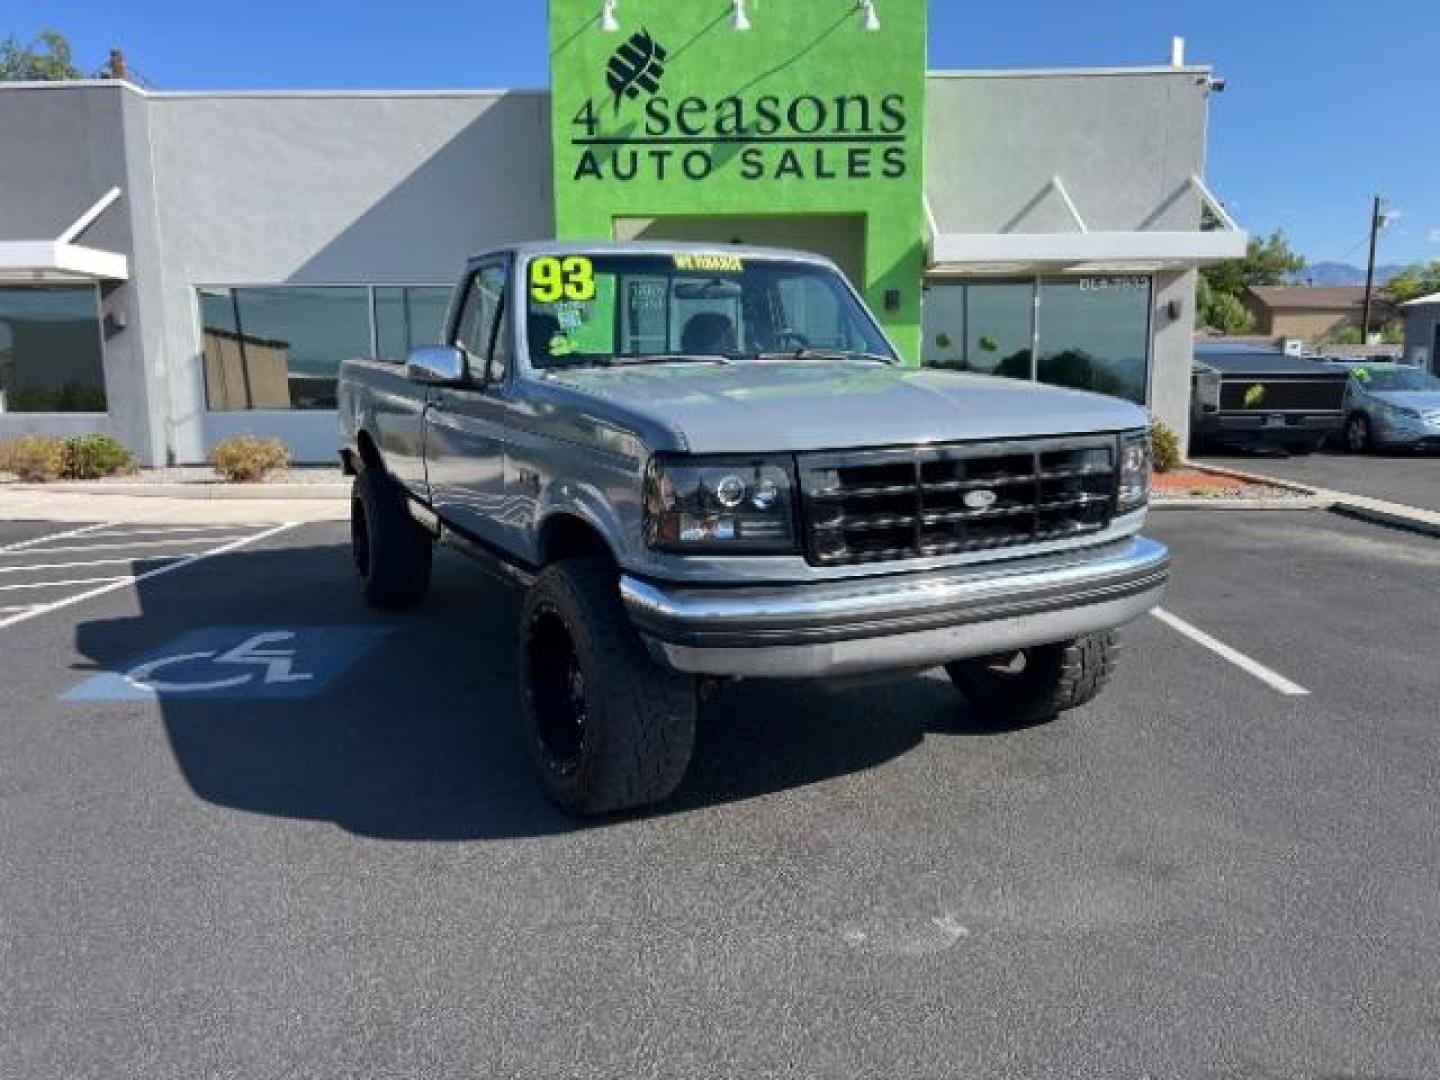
[607,729]
[1357,434]
[1026,686]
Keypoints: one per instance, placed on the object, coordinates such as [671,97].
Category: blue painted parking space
[236,662]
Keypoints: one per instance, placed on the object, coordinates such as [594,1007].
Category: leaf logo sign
[1254,396]
[638,64]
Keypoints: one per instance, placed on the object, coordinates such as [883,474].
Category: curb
[1391,515]
[1308,502]
[1376,511]
[215,491]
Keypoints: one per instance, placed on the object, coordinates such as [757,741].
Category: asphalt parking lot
[1411,478]
[318,851]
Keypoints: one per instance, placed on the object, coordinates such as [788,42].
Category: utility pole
[1376,220]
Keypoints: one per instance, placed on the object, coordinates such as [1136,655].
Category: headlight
[1134,471]
[743,505]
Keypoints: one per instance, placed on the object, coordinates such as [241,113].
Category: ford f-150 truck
[709,463]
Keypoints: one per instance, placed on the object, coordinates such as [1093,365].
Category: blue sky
[1328,101]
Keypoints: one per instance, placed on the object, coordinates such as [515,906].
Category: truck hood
[749,407]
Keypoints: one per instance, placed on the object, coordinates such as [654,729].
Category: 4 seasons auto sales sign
[680,114]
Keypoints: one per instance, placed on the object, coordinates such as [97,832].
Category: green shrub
[89,457]
[1164,448]
[245,459]
[33,458]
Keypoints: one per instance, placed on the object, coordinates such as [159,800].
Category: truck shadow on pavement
[419,739]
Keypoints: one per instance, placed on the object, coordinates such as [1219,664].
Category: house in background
[1312,314]
[1422,332]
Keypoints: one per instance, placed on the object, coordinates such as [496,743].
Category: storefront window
[1095,334]
[50,350]
[980,326]
[407,317]
[280,347]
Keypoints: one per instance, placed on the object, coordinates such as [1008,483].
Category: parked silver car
[1391,405]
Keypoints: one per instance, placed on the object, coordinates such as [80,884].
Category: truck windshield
[650,308]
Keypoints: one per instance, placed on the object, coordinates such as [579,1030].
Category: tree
[1267,262]
[1415,281]
[46,59]
[1221,311]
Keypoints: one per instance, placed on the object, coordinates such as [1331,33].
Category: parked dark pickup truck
[1255,397]
[706,464]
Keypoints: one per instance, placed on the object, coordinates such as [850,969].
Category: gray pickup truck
[705,464]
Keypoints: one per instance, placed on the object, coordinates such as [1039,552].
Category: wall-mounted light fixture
[869,18]
[738,19]
[608,21]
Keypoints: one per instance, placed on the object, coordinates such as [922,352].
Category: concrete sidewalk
[30,503]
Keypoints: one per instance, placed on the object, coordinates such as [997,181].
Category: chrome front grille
[878,505]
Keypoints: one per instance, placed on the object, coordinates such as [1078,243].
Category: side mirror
[436,365]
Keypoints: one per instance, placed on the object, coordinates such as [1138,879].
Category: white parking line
[125,547]
[126,529]
[86,562]
[34,541]
[1249,665]
[57,584]
[179,563]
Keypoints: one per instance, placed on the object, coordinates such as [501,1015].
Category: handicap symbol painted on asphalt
[236,662]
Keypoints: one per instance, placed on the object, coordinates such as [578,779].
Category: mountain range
[1338,273]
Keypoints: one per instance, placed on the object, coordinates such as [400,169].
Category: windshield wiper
[582,360]
[669,358]
[806,352]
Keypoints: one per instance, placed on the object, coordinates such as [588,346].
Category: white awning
[1140,251]
[61,260]
[38,262]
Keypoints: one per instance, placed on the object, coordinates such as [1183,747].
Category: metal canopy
[1140,251]
[41,262]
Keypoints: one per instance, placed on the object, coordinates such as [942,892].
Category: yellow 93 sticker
[569,278]
[726,264]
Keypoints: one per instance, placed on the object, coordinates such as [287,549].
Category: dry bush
[89,457]
[245,459]
[1164,448]
[33,458]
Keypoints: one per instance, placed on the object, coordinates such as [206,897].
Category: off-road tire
[1054,679]
[392,551]
[638,727]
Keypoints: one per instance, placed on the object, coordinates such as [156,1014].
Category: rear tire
[392,551]
[1027,686]
[605,726]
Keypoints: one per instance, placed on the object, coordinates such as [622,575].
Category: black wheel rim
[359,538]
[1357,434]
[558,693]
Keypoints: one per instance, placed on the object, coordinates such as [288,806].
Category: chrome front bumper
[896,621]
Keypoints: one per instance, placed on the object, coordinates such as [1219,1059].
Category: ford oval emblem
[980,499]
